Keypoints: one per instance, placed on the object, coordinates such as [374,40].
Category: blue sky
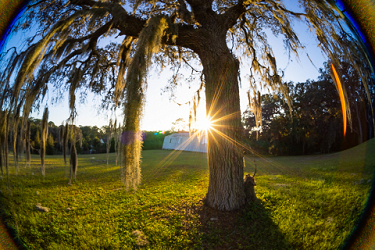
[160,112]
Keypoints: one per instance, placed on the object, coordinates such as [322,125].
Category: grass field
[307,202]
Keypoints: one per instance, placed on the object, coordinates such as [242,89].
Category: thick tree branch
[200,4]
[131,25]
[102,30]
[202,10]
[230,17]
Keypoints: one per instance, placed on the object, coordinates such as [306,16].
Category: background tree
[50,147]
[179,125]
[68,56]
[36,142]
[316,125]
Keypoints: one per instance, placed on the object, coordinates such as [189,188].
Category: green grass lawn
[307,202]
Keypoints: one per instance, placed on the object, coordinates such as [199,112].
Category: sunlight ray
[241,145]
[226,117]
[213,136]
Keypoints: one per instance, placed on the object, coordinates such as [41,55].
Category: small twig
[190,65]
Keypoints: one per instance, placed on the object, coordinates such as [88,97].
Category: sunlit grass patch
[309,202]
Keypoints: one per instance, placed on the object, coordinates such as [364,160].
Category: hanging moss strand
[6,146]
[15,137]
[3,131]
[148,43]
[27,139]
[65,142]
[73,163]
[109,136]
[44,140]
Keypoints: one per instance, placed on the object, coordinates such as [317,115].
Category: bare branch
[192,68]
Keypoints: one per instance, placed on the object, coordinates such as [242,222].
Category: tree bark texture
[221,70]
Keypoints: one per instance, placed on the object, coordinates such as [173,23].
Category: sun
[204,124]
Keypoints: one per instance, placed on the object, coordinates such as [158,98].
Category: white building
[182,141]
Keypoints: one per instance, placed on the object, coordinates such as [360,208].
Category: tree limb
[231,16]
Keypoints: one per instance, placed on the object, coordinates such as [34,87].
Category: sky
[160,112]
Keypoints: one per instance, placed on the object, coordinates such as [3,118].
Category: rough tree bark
[220,69]
[226,190]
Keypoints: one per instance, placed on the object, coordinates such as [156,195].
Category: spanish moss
[3,132]
[255,106]
[5,144]
[15,144]
[65,143]
[27,144]
[109,136]
[73,163]
[44,136]
[148,43]
[75,136]
[118,132]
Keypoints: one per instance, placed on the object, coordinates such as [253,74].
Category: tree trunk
[221,69]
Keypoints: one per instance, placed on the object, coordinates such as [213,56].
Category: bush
[153,141]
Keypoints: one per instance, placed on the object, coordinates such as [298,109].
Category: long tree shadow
[248,228]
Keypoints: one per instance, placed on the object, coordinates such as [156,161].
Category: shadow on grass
[248,228]
[9,237]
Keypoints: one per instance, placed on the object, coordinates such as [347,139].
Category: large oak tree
[67,54]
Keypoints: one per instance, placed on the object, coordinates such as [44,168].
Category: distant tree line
[315,123]
[94,139]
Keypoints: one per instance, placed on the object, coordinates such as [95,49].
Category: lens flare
[342,97]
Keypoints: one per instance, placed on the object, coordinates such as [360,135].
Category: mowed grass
[306,202]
